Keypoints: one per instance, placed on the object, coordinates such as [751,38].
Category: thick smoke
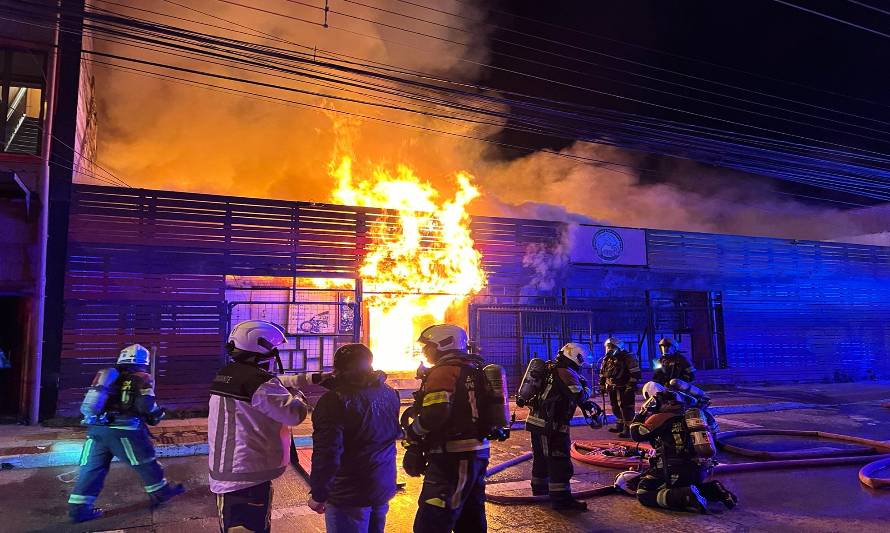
[697,198]
[157,134]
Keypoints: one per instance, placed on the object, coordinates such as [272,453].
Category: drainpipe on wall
[37,372]
[34,414]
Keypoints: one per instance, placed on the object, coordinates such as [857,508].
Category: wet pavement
[813,499]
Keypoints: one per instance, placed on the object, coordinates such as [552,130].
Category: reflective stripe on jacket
[248,427]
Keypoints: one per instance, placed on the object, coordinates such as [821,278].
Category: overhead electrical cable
[851,177]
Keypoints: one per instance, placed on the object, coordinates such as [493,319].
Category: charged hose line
[875,454]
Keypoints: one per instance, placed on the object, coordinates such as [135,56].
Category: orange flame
[420,263]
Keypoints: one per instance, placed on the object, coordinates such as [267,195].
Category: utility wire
[867,6]
[576,31]
[637,63]
[816,176]
[830,17]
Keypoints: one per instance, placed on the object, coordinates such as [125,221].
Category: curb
[71,456]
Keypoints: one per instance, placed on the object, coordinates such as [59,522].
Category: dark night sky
[818,56]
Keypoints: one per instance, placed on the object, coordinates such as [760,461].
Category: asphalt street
[814,499]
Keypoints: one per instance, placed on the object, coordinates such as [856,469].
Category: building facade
[34,124]
[175,270]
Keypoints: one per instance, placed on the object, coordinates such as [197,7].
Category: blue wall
[792,309]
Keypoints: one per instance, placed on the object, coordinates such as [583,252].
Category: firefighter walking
[553,392]
[116,409]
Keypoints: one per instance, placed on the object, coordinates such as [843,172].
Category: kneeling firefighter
[459,407]
[553,391]
[116,408]
[248,431]
[682,433]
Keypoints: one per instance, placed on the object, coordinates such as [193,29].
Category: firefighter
[447,428]
[683,437]
[247,428]
[122,401]
[672,364]
[551,411]
[619,374]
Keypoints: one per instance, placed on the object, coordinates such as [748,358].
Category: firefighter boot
[83,512]
[688,499]
[165,494]
[568,504]
[714,491]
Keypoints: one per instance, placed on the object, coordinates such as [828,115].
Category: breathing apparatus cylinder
[497,405]
[702,439]
[689,389]
[532,381]
[93,406]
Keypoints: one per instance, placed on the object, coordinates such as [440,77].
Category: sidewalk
[37,446]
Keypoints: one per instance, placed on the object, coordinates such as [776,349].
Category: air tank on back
[497,405]
[532,381]
[93,406]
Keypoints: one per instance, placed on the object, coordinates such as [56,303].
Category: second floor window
[22,100]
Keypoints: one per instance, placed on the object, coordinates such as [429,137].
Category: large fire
[421,262]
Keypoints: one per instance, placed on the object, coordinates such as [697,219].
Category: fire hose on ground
[875,454]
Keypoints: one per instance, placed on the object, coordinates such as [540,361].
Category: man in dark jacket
[355,427]
[672,364]
[619,374]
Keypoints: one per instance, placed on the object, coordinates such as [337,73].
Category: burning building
[175,270]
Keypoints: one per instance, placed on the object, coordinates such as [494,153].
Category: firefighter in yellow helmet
[672,364]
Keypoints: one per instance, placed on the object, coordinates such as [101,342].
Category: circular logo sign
[608,245]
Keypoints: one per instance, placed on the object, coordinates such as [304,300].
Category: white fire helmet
[651,388]
[574,352]
[627,482]
[257,336]
[445,337]
[611,343]
[134,354]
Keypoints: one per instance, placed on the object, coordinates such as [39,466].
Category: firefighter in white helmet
[248,427]
[116,409]
[550,412]
[681,431]
[446,439]
[619,374]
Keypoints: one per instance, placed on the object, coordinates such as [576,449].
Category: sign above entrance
[604,245]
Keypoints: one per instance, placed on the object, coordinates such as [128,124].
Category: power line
[637,63]
[575,86]
[867,6]
[830,17]
[576,31]
[814,175]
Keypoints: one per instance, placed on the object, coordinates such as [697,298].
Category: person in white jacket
[248,427]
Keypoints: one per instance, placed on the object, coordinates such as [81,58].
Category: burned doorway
[695,319]
[14,328]
[318,315]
